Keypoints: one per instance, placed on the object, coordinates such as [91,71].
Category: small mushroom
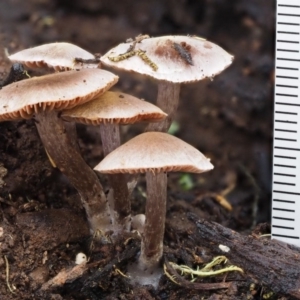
[42,98]
[138,223]
[171,60]
[109,111]
[59,56]
[155,154]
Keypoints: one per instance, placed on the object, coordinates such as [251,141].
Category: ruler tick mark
[283,121]
[288,32]
[286,130]
[288,193]
[286,236]
[287,157]
[284,201]
[287,148]
[283,209]
[288,15]
[285,23]
[287,86]
[284,183]
[287,104]
[287,175]
[286,113]
[288,140]
[283,227]
[287,41]
[285,166]
[288,5]
[281,218]
[284,50]
[285,68]
[286,77]
[287,95]
[287,59]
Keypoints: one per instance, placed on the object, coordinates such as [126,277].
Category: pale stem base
[147,270]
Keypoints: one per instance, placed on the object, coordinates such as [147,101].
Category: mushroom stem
[152,238]
[167,100]
[110,136]
[72,134]
[57,144]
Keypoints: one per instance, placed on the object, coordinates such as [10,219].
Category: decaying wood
[65,276]
[102,276]
[273,263]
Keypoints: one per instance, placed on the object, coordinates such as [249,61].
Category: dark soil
[229,119]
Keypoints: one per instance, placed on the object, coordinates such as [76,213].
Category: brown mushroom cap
[114,108]
[53,92]
[156,152]
[60,56]
[177,58]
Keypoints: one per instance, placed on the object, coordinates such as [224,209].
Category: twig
[11,288]
[118,271]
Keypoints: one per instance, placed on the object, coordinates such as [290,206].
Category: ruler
[286,146]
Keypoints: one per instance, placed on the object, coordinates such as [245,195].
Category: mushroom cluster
[171,60]
[79,94]
[109,111]
[42,98]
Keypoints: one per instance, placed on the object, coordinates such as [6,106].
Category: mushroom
[109,111]
[138,223]
[171,60]
[42,98]
[155,154]
[60,56]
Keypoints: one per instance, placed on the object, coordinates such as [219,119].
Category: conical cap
[20,100]
[114,108]
[178,59]
[60,56]
[155,152]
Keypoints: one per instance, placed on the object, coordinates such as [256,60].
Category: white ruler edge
[286,147]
